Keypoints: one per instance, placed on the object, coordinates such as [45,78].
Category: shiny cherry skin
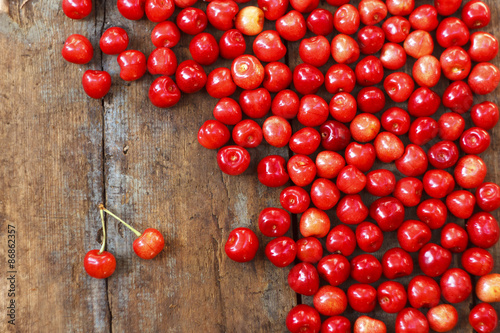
[315,51]
[320,22]
[370,99]
[443,154]
[456,285]
[425,18]
[380,183]
[458,97]
[475,140]
[268,47]
[476,14]
[396,120]
[77,49]
[340,78]
[247,134]
[370,39]
[485,115]
[427,71]
[309,249]
[335,136]
[391,296]
[330,301]
[362,156]
[165,34]
[132,9]
[272,9]
[281,251]
[488,196]
[388,212]
[351,180]
[413,235]
[483,47]
[400,7]
[423,102]
[314,222]
[399,86]
[233,160]
[432,212]
[369,237]
[329,164]
[213,134]
[455,63]
[99,265]
[483,318]
[162,61]
[303,318]
[256,103]
[192,20]
[274,222]
[271,171]
[365,268]
[396,263]
[277,131]
[77,10]
[303,278]
[477,261]
[232,44]
[164,93]
[364,127]
[454,238]
[114,41]
[204,49]
[452,32]
[396,29]
[305,141]
[345,50]
[409,191]
[365,324]
[413,162]
[277,77]
[433,259]
[184,3]
[423,292]
[341,240]
[450,126]
[285,104]
[488,288]
[149,244]
[301,169]
[295,199]
[388,147]
[419,43]
[369,71]
[423,130]
[334,268]
[247,72]
[221,14]
[159,11]
[442,318]
[484,78]
[483,230]
[343,107]
[362,297]
[291,26]
[372,12]
[346,19]
[307,79]
[470,171]
[438,183]
[411,320]
[132,65]
[324,194]
[392,56]
[190,76]
[242,245]
[351,209]
[250,20]
[336,324]
[447,7]
[96,84]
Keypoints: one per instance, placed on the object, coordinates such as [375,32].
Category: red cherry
[485,115]
[232,44]
[454,238]
[285,104]
[438,183]
[213,134]
[307,79]
[413,235]
[400,7]
[476,14]
[442,318]
[396,263]
[434,260]
[399,86]
[324,194]
[291,26]
[255,103]
[432,212]
[267,46]
[277,77]
[336,324]
[423,130]
[305,141]
[221,14]
[281,251]
[274,222]
[484,78]
[470,171]
[273,9]
[247,72]
[411,320]
[477,261]
[162,61]
[165,34]
[309,249]
[313,111]
[315,51]
[320,22]
[247,133]
[396,121]
[341,239]
[456,285]
[271,171]
[388,212]
[192,21]
[334,268]
[369,237]
[242,245]
[419,43]
[346,19]
[483,230]
[77,49]
[304,6]
[371,39]
[250,20]
[443,154]
[458,97]
[427,71]
[149,244]
[77,10]
[132,65]
[340,77]
[483,318]
[391,296]
[396,29]
[190,77]
[303,278]
[388,147]
[301,169]
[483,47]
[351,209]
[159,10]
[488,196]
[233,160]
[425,18]
[345,50]
[314,222]
[96,84]
[409,191]
[350,180]
[362,297]
[361,156]
[369,71]
[114,41]
[447,7]
[131,9]
[365,324]
[364,128]
[164,93]
[372,11]
[99,265]
[365,268]
[455,63]
[329,164]
[220,83]
[392,56]
[450,126]
[371,99]
[380,183]
[423,292]
[204,48]
[295,199]
[303,318]
[330,301]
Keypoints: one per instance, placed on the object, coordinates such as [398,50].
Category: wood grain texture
[64,153]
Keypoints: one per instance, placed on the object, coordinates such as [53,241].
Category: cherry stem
[102,208]
[103,233]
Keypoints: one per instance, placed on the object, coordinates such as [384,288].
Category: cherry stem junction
[102,208]
[103,233]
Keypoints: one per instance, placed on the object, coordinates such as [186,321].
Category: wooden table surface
[64,153]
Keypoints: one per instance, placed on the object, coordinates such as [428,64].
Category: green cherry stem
[103,234]
[102,208]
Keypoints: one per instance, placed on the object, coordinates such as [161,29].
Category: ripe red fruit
[388,147]
[204,49]
[447,7]
[281,251]
[351,209]
[485,115]
[295,199]
[165,34]
[454,238]
[391,296]
[132,65]
[247,72]
[488,288]
[77,10]
[411,320]
[427,71]
[399,86]
[191,77]
[363,128]
[250,20]
[272,9]
[419,43]
[456,285]
[77,49]
[484,78]
[344,49]
[329,164]
[267,46]
[242,245]
[303,318]
[220,83]
[388,212]
[330,301]
[221,14]
[301,169]
[442,318]
[164,93]
[271,171]
[369,237]
[396,29]
[470,171]
[213,134]
[425,18]
[99,265]
[369,71]
[380,183]
[392,56]
[476,14]
[159,10]
[191,20]
[365,324]
[483,230]
[397,263]
[350,180]
[309,249]
[334,268]
[483,318]
[372,12]
[477,261]
[483,47]
[114,41]
[371,39]
[434,260]
[232,44]
[324,194]
[277,77]
[314,222]
[131,9]
[413,235]
[274,222]
[341,239]
[291,26]
[96,84]
[443,154]
[320,22]
[423,292]
[346,19]
[361,156]
[438,183]
[362,297]
[162,61]
[365,268]
[336,324]
[488,196]
[303,278]
[315,51]
[247,133]
[432,212]
[277,131]
[233,160]
[396,120]
[313,111]
[305,141]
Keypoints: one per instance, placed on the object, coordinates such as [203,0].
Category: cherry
[477,261]
[452,32]
[450,126]
[485,115]
[242,245]
[346,19]
[423,130]
[247,71]
[295,199]
[250,20]
[221,14]
[438,183]
[454,238]
[399,86]
[361,156]
[307,79]
[114,41]
[364,128]
[425,18]
[184,3]
[303,278]
[77,49]
[362,297]
[277,77]
[336,324]
[370,39]
[301,169]
[413,235]
[164,93]
[423,102]
[291,26]
[369,237]
[443,154]
[313,111]
[159,10]
[233,160]
[397,263]
[476,14]
[315,51]
[488,288]
[351,209]
[232,44]
[78,9]
[411,320]
[314,222]
[281,251]
[371,99]
[309,249]
[483,47]
[285,104]
[305,141]
[100,264]
[213,134]
[132,65]
[96,84]
[190,76]
[320,22]
[273,9]
[458,97]
[409,191]
[456,285]
[247,133]
[388,212]
[339,78]
[220,83]
[447,7]
[488,196]
[334,268]
[351,180]
[434,260]
[419,43]
[427,71]
[388,147]
[483,230]
[329,164]
[380,183]
[369,71]
[267,46]
[396,29]
[391,296]
[131,9]
[274,222]
[345,50]
[303,318]
[365,324]
[204,48]
[423,292]
[483,318]
[162,61]
[256,103]
[324,194]
[372,12]
[341,239]
[442,318]
[192,21]
[400,7]
[148,244]
[475,140]
[470,171]
[432,212]
[365,268]
[484,78]
[271,171]
[396,121]
[165,34]
[392,56]
[330,301]
[304,6]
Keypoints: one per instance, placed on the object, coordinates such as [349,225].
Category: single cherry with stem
[100,264]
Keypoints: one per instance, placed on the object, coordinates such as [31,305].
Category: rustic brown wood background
[63,153]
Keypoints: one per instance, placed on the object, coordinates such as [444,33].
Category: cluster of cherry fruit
[101,264]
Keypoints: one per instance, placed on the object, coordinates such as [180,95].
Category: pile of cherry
[345,136]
